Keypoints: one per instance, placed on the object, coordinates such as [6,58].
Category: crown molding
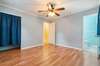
[18,10]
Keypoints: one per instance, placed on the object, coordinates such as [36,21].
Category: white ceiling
[32,6]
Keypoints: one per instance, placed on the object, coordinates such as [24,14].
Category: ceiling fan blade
[42,11]
[51,5]
[57,14]
[58,9]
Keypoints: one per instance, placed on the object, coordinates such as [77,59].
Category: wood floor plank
[42,56]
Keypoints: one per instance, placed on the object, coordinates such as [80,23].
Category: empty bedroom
[49,33]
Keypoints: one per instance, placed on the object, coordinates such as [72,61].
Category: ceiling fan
[51,11]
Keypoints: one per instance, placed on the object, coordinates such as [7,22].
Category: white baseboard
[36,45]
[63,45]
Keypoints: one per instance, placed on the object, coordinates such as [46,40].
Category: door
[48,33]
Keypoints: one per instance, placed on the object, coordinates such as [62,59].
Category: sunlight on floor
[90,59]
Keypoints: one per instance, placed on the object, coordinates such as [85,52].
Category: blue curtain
[10,30]
[19,31]
[16,31]
[98,31]
[98,27]
[5,27]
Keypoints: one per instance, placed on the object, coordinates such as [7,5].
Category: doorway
[48,33]
[90,39]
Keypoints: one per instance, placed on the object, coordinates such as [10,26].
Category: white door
[52,33]
[48,33]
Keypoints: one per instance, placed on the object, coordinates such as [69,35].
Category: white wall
[69,30]
[31,34]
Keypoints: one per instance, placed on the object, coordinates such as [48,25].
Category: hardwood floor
[42,56]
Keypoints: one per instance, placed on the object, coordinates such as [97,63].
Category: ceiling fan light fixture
[51,14]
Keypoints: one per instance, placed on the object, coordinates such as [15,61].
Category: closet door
[52,33]
[48,33]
